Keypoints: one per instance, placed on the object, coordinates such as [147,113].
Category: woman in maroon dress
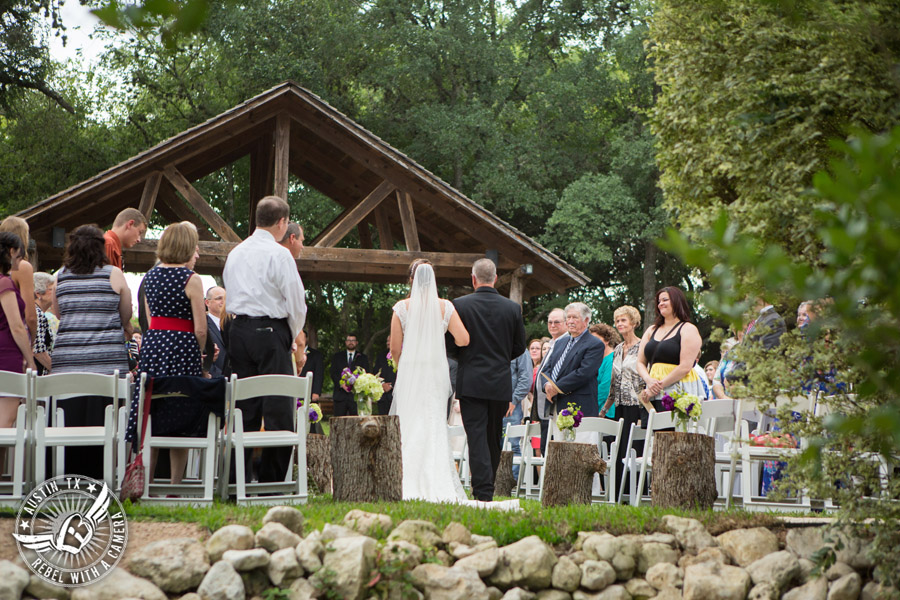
[15,345]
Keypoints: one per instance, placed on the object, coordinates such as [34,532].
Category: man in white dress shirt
[266,296]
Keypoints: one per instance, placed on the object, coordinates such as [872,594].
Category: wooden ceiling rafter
[350,218]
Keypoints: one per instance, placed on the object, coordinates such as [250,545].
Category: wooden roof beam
[382,222]
[408,218]
[199,204]
[282,156]
[173,210]
[148,197]
[352,217]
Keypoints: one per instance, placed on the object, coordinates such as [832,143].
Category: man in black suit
[344,404]
[386,372]
[570,374]
[483,382]
[215,304]
[314,364]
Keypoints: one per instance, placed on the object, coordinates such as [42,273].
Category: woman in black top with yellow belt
[669,349]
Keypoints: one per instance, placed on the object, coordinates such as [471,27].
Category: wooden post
[408,218]
[504,482]
[318,461]
[366,460]
[515,288]
[569,473]
[282,155]
[148,196]
[684,470]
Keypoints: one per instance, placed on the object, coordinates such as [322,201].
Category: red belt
[172,324]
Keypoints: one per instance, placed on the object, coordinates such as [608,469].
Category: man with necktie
[344,404]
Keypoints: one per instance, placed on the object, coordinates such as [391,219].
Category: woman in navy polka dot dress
[171,346]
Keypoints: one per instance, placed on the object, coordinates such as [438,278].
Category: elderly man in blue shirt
[521,371]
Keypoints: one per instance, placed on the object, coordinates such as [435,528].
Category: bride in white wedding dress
[422,390]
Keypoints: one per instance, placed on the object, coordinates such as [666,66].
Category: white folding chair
[60,436]
[525,483]
[608,451]
[190,491]
[752,457]
[18,438]
[292,488]
[461,456]
[656,421]
[630,466]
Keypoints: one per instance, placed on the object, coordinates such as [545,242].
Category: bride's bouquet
[366,388]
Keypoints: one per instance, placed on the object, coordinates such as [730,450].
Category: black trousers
[483,422]
[345,408]
[82,411]
[631,414]
[262,346]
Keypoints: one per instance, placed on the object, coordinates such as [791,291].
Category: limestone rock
[582,536]
[690,533]
[349,561]
[421,533]
[663,575]
[117,585]
[175,565]
[600,546]
[302,589]
[639,589]
[597,575]
[458,550]
[566,575]
[712,580]
[528,563]
[230,537]
[444,558]
[247,560]
[658,538]
[764,591]
[222,582]
[284,567]
[190,596]
[652,553]
[804,541]
[874,591]
[485,562]
[457,532]
[370,524]
[274,536]
[838,570]
[613,592]
[480,539]
[551,594]
[624,566]
[847,587]
[493,593]
[806,568]
[668,593]
[402,553]
[332,532]
[38,588]
[778,569]
[446,583]
[707,554]
[814,589]
[309,554]
[579,557]
[519,594]
[13,580]
[288,516]
[748,545]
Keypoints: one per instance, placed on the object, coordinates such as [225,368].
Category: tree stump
[365,459]
[569,473]
[684,470]
[318,461]
[504,482]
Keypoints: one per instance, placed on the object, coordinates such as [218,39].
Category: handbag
[133,482]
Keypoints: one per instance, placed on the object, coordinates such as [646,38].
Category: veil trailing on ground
[423,361]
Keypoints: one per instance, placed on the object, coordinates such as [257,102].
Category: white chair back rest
[14,384]
[717,417]
[290,386]
[70,385]
[513,431]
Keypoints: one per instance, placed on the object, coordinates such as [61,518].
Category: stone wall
[416,561]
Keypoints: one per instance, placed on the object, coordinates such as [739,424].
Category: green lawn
[557,526]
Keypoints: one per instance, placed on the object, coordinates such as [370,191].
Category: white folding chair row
[530,462]
[293,488]
[461,455]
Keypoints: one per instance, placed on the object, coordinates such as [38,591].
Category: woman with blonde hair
[23,277]
[177,329]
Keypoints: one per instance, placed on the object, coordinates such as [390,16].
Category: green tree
[750,93]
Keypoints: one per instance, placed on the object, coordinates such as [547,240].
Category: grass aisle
[556,526]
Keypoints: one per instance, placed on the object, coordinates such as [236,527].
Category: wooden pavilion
[288,130]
